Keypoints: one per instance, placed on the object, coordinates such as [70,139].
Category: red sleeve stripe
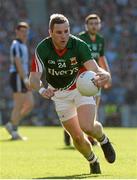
[36,61]
[33,64]
[39,64]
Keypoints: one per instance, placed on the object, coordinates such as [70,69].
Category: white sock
[92,158]
[104,140]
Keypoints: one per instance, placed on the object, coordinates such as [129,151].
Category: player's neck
[58,48]
[21,40]
[92,37]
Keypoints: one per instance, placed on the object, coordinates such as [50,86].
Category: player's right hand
[47,93]
[26,82]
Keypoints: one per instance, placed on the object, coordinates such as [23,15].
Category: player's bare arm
[35,83]
[104,64]
[34,80]
[103,77]
[21,71]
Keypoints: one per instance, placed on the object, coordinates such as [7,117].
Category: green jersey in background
[97,46]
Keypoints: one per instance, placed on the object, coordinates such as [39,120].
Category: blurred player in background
[19,71]
[63,55]
[95,42]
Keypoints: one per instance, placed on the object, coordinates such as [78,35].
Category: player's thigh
[18,99]
[86,116]
[98,101]
[97,106]
[86,107]
[68,116]
[73,128]
[28,99]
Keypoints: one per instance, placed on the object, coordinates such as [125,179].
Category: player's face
[93,26]
[60,35]
[22,34]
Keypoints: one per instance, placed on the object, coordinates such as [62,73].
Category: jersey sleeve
[102,49]
[16,50]
[84,53]
[37,64]
[78,35]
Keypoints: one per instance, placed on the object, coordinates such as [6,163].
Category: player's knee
[17,107]
[31,106]
[78,139]
[27,108]
[95,130]
[97,125]
[88,130]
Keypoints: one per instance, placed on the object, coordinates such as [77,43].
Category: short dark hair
[57,19]
[22,24]
[92,16]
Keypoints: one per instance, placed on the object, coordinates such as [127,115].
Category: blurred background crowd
[119,28]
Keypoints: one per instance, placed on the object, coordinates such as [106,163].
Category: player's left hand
[102,78]
[107,85]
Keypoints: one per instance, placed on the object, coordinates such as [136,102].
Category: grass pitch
[44,155]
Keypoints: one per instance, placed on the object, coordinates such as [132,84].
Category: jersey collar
[19,40]
[90,37]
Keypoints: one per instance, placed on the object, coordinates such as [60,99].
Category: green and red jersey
[62,67]
[96,46]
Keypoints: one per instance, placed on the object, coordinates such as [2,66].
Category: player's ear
[16,30]
[86,28]
[99,26]
[50,32]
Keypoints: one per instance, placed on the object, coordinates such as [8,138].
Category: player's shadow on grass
[67,148]
[77,176]
[6,140]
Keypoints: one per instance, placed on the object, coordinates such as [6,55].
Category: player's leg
[90,138]
[67,138]
[94,128]
[23,102]
[65,107]
[81,143]
[28,104]
[106,146]
[12,125]
[98,97]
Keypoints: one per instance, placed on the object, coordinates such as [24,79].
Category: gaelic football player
[19,71]
[62,55]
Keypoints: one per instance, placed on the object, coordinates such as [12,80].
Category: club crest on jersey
[94,47]
[73,61]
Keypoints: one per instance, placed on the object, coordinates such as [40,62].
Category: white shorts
[67,101]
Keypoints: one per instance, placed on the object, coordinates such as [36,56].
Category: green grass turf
[44,155]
